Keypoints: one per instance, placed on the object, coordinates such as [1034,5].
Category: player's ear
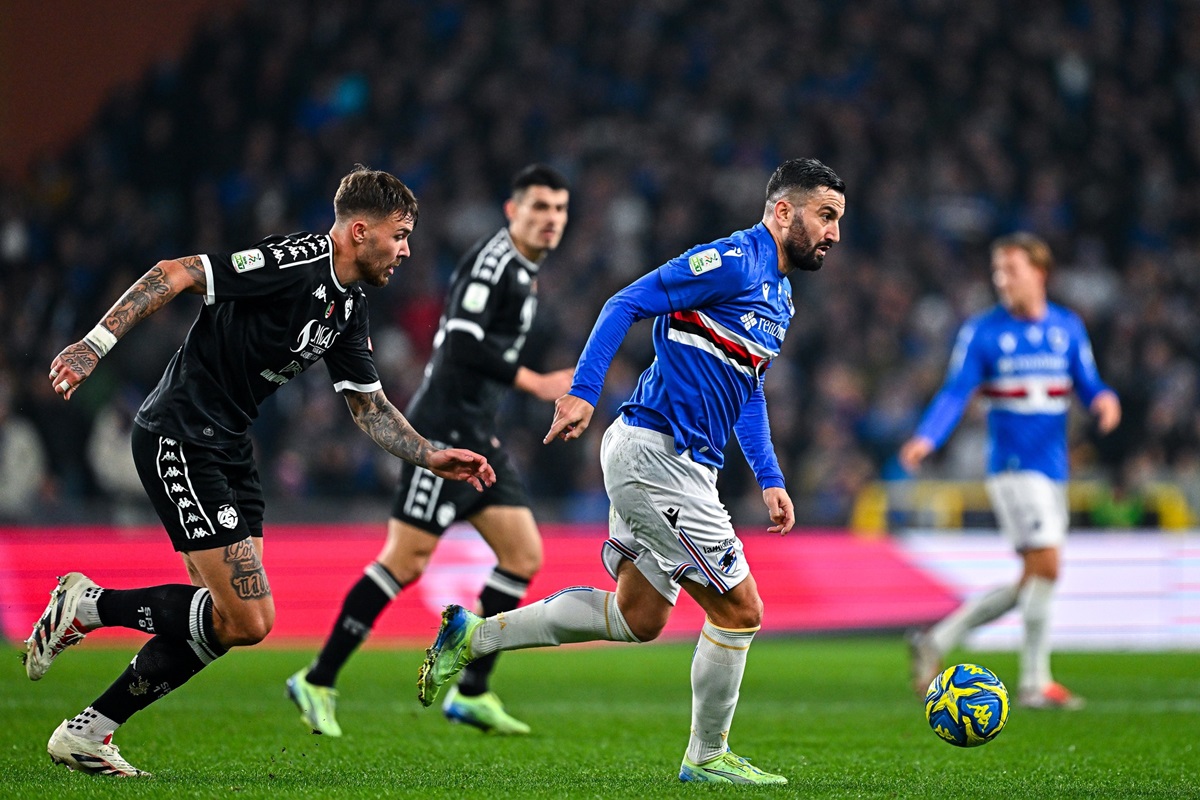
[510,209]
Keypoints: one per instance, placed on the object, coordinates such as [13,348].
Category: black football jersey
[490,307]
[270,312]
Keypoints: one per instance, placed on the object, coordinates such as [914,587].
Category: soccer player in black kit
[269,313]
[489,309]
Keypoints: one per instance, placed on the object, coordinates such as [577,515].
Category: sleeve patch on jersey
[475,297]
[704,261]
[246,260]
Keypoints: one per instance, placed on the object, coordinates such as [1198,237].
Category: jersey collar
[530,266]
[332,273]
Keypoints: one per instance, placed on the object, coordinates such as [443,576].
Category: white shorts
[1030,507]
[665,515]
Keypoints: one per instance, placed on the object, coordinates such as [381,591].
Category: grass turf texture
[833,715]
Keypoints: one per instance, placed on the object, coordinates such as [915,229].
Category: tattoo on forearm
[248,579]
[148,294]
[388,427]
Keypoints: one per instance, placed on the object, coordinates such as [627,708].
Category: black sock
[364,603]
[164,663]
[502,592]
[171,610]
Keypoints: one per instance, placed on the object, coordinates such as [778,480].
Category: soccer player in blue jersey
[720,312]
[1026,355]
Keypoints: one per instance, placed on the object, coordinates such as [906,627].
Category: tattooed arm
[387,426]
[151,292]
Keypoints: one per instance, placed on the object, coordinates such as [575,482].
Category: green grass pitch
[832,714]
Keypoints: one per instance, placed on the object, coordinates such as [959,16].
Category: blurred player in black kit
[269,313]
[490,307]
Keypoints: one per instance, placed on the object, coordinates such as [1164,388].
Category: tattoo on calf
[249,579]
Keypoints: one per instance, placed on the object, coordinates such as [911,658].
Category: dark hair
[802,175]
[1033,246]
[538,175]
[373,193]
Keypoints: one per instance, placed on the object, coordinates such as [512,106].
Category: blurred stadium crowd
[950,123]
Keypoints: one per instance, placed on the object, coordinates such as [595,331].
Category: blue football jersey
[721,311]
[1026,371]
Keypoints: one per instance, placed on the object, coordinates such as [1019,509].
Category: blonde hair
[1034,247]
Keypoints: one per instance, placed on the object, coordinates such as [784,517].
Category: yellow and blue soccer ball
[967,705]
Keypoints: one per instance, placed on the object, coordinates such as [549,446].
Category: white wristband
[101,340]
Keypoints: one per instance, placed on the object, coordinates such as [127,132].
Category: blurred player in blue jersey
[720,312]
[1026,355]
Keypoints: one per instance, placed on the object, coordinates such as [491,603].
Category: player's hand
[914,451]
[779,507]
[71,367]
[548,386]
[462,465]
[571,418]
[1107,408]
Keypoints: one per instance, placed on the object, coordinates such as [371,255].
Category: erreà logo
[246,260]
[704,261]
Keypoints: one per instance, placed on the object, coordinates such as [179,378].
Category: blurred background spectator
[951,123]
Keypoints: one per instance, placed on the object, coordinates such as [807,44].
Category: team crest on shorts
[227,516]
[728,561]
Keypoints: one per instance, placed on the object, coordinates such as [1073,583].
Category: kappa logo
[171,472]
[748,319]
[170,457]
[672,515]
[320,293]
[184,502]
[175,487]
[227,515]
[246,260]
[704,261]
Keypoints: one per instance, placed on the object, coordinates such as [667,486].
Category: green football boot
[316,704]
[726,768]
[484,711]
[448,654]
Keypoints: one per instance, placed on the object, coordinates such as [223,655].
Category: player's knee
[645,625]
[526,564]
[244,630]
[747,613]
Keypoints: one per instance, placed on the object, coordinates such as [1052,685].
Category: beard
[801,250]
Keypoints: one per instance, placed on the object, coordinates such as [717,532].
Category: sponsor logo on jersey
[736,252]
[246,260]
[321,337]
[319,293]
[475,297]
[749,318]
[704,261]
[1058,339]
[1008,342]
[349,306]
[284,375]
[227,515]
[787,298]
[1034,334]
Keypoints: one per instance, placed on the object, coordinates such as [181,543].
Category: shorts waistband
[658,440]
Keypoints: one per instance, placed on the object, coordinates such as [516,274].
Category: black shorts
[206,497]
[433,504]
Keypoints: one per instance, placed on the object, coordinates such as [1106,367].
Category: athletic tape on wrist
[101,340]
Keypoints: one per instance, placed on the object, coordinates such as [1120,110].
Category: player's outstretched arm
[572,415]
[384,423]
[152,291]
[779,507]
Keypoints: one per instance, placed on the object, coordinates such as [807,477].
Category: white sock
[1035,599]
[717,667]
[85,609]
[92,725]
[576,614]
[945,635]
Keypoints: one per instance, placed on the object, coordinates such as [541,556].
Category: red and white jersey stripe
[697,329]
[1028,394]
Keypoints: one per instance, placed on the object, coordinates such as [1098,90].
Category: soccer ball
[967,705]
